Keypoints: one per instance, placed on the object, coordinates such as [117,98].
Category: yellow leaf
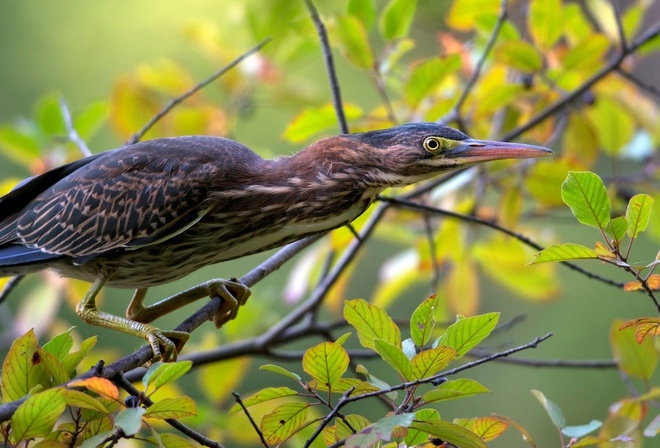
[545,22]
[505,260]
[101,386]
[371,322]
[653,281]
[462,289]
[326,362]
[463,13]
[632,286]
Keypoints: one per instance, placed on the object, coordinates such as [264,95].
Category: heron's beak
[473,151]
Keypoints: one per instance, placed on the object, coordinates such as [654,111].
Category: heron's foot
[233,294]
[163,343]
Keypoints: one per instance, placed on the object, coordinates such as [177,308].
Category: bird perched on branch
[152,212]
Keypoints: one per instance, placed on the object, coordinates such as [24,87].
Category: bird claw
[233,294]
[164,339]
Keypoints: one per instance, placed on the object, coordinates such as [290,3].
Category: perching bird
[152,212]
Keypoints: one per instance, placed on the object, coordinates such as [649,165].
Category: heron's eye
[433,144]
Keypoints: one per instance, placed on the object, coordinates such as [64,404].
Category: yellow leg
[88,312]
[232,292]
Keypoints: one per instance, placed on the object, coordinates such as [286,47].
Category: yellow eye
[432,144]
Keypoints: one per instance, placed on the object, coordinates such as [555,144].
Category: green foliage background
[82,50]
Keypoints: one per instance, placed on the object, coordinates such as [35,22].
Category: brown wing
[133,196]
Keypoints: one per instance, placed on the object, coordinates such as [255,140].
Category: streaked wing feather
[136,195]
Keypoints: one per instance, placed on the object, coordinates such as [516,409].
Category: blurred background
[107,58]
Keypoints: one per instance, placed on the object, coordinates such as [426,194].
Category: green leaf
[49,116]
[283,422]
[422,321]
[281,371]
[82,400]
[545,22]
[353,42]
[466,333]
[428,75]
[97,440]
[563,252]
[130,420]
[312,121]
[396,19]
[416,437]
[267,394]
[585,193]
[582,430]
[18,145]
[89,120]
[638,214]
[357,422]
[452,389]
[72,360]
[364,10]
[160,373]
[520,55]
[37,415]
[588,54]
[371,322]
[450,433]
[613,123]
[379,431]
[23,368]
[376,382]
[326,362]
[635,359]
[553,411]
[617,228]
[54,366]
[167,440]
[344,384]
[429,362]
[464,13]
[177,407]
[341,339]
[395,357]
[60,345]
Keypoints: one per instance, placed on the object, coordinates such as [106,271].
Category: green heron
[152,212]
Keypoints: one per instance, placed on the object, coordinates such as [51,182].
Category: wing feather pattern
[127,198]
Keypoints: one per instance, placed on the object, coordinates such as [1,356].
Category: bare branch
[455,114]
[176,101]
[72,134]
[329,67]
[237,397]
[523,239]
[614,64]
[121,381]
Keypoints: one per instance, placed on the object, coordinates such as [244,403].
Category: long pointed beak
[473,151]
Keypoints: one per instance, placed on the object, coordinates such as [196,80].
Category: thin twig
[523,239]
[237,397]
[639,83]
[138,136]
[619,25]
[455,114]
[346,400]
[329,67]
[433,252]
[328,418]
[614,64]
[72,134]
[121,381]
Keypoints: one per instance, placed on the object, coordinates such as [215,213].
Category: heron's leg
[232,292]
[88,312]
